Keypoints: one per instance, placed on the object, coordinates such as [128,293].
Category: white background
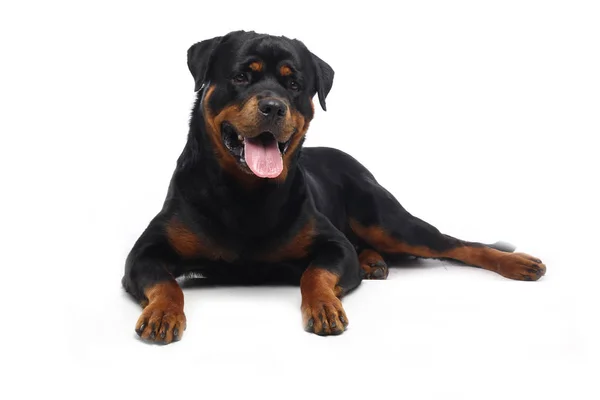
[481,117]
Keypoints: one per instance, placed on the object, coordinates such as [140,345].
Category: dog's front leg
[333,272]
[150,273]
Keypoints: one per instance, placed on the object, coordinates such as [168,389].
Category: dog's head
[256,97]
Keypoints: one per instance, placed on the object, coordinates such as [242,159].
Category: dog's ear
[199,58]
[324,79]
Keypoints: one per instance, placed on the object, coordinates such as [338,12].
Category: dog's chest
[291,244]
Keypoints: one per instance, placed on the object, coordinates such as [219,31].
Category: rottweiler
[248,204]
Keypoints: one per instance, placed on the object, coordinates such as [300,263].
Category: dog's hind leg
[377,218]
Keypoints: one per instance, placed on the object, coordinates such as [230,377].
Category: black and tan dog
[248,204]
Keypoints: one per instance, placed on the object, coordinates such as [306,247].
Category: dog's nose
[272,108]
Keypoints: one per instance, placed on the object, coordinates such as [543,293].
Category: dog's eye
[294,85]
[240,78]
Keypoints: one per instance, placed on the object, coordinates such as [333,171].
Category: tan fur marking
[297,247]
[189,245]
[162,319]
[382,241]
[285,70]
[322,310]
[318,282]
[184,241]
[256,66]
[165,291]
[369,256]
[373,264]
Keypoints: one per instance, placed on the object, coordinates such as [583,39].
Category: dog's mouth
[262,154]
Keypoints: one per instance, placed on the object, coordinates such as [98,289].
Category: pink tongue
[264,159]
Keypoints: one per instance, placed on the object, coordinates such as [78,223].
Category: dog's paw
[161,321]
[520,266]
[375,270]
[324,315]
[373,265]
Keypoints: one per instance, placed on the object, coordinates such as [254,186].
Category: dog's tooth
[240,138]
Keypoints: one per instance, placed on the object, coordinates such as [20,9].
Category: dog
[247,203]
